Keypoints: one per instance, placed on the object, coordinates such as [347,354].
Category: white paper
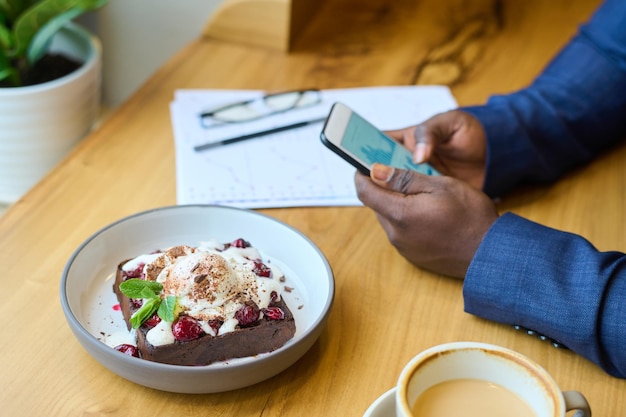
[287,169]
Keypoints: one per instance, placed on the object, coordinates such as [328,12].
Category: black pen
[256,134]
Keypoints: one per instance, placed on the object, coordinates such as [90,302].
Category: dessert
[199,305]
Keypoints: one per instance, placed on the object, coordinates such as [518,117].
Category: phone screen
[370,145]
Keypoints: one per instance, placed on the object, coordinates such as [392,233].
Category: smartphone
[360,143]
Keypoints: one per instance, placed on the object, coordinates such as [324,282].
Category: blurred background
[136,43]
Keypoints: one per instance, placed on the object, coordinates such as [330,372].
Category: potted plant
[50,72]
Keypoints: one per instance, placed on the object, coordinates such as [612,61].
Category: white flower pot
[40,124]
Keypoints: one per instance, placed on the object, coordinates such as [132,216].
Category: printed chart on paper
[290,168]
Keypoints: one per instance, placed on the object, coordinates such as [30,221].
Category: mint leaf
[147,292]
[139,288]
[167,309]
[146,311]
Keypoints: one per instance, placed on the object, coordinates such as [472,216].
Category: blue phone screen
[370,145]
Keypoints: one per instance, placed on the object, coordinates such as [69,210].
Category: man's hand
[435,222]
[453,142]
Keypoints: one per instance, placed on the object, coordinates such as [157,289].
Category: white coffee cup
[497,365]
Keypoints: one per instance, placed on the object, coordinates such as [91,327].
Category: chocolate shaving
[199,278]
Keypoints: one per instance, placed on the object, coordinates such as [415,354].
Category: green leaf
[147,292]
[40,43]
[167,309]
[7,72]
[11,9]
[6,41]
[43,12]
[139,288]
[146,311]
[28,26]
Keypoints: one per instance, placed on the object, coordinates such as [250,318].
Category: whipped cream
[211,282]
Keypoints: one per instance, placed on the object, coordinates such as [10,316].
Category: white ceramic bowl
[89,303]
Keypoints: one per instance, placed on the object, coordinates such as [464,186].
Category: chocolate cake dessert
[199,305]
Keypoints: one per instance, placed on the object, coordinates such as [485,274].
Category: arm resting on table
[553,282]
[574,110]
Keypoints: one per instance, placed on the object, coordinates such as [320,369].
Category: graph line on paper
[290,168]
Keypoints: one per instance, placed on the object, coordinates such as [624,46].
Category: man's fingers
[398,180]
[422,152]
[381,174]
[426,137]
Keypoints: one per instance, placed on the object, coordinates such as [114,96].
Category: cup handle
[574,400]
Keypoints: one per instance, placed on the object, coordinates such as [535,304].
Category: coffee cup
[478,379]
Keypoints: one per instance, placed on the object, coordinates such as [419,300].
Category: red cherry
[274,313]
[134,273]
[261,269]
[127,349]
[216,324]
[152,321]
[240,243]
[247,315]
[186,328]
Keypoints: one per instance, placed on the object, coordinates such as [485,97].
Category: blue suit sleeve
[573,111]
[523,273]
[555,283]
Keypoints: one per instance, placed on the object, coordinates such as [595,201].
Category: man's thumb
[399,180]
[382,174]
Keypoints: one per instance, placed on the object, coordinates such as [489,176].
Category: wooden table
[386,310]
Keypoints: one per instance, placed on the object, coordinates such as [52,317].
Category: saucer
[384,406]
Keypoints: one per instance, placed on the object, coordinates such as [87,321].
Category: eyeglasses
[257,108]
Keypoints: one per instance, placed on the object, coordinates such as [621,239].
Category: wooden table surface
[385,310]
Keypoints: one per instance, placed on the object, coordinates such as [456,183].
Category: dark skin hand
[437,223]
[453,142]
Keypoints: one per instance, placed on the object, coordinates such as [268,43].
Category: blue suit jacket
[523,273]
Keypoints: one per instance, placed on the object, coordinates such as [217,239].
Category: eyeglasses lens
[268,105]
[290,100]
[240,113]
